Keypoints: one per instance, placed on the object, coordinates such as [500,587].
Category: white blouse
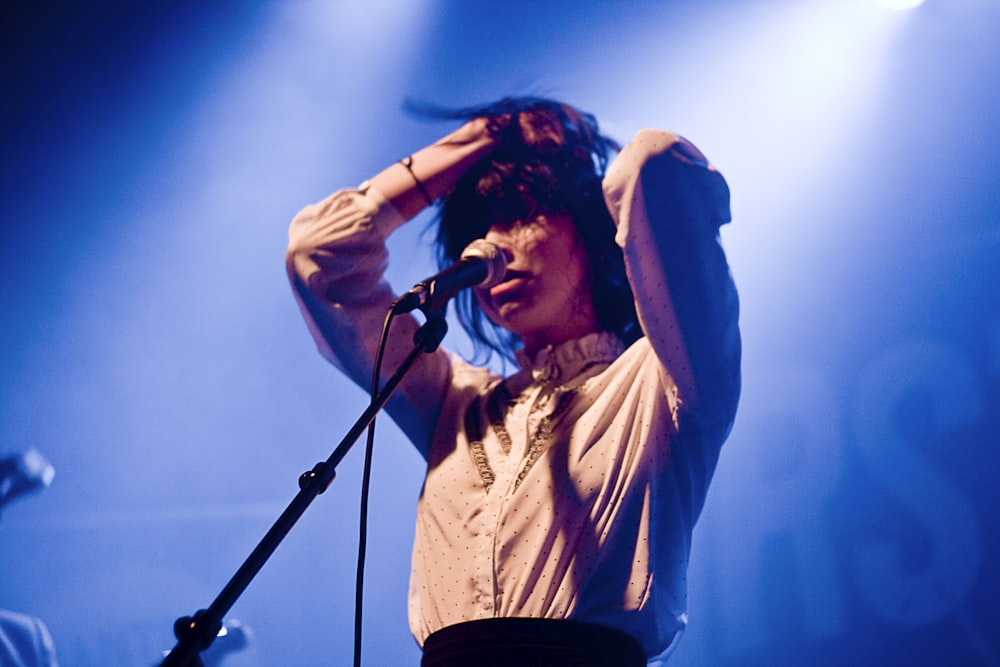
[570,489]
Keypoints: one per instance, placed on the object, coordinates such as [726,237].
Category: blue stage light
[901,5]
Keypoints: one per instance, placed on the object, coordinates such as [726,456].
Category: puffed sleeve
[336,262]
[668,202]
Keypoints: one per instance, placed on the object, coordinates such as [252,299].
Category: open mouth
[508,287]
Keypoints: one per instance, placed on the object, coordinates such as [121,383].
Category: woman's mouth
[512,282]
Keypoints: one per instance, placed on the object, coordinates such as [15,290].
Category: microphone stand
[196,633]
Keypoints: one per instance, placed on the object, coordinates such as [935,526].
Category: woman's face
[545,295]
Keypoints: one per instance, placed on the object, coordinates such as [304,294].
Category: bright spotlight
[901,5]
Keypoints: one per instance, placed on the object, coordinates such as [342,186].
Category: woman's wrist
[417,180]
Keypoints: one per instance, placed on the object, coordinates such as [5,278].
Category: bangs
[496,193]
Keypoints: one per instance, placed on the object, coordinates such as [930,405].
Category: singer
[554,526]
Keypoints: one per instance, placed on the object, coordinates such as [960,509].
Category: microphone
[482,264]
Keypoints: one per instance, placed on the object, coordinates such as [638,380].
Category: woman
[555,519]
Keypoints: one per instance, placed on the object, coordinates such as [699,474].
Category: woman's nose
[494,236]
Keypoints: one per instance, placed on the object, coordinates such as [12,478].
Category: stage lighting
[901,5]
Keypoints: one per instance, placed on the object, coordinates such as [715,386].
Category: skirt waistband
[531,642]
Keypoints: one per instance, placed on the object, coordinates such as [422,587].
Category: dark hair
[551,159]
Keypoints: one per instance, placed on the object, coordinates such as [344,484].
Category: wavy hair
[551,159]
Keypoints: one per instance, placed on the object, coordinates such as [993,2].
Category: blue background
[153,155]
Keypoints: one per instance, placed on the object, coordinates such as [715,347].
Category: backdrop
[153,155]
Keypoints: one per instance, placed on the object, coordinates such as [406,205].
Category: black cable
[365,483]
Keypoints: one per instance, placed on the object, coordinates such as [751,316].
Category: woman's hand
[533,128]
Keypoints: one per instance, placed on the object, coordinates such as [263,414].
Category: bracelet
[408,163]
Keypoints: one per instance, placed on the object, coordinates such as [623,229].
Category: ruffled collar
[561,364]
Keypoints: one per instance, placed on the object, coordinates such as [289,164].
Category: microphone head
[496,260]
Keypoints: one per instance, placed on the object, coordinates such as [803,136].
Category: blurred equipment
[24,640]
[233,637]
[23,473]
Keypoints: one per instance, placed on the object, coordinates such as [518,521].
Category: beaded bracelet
[408,163]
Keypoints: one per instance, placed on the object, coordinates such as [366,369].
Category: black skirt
[531,642]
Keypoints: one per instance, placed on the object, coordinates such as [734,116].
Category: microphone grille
[496,260]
